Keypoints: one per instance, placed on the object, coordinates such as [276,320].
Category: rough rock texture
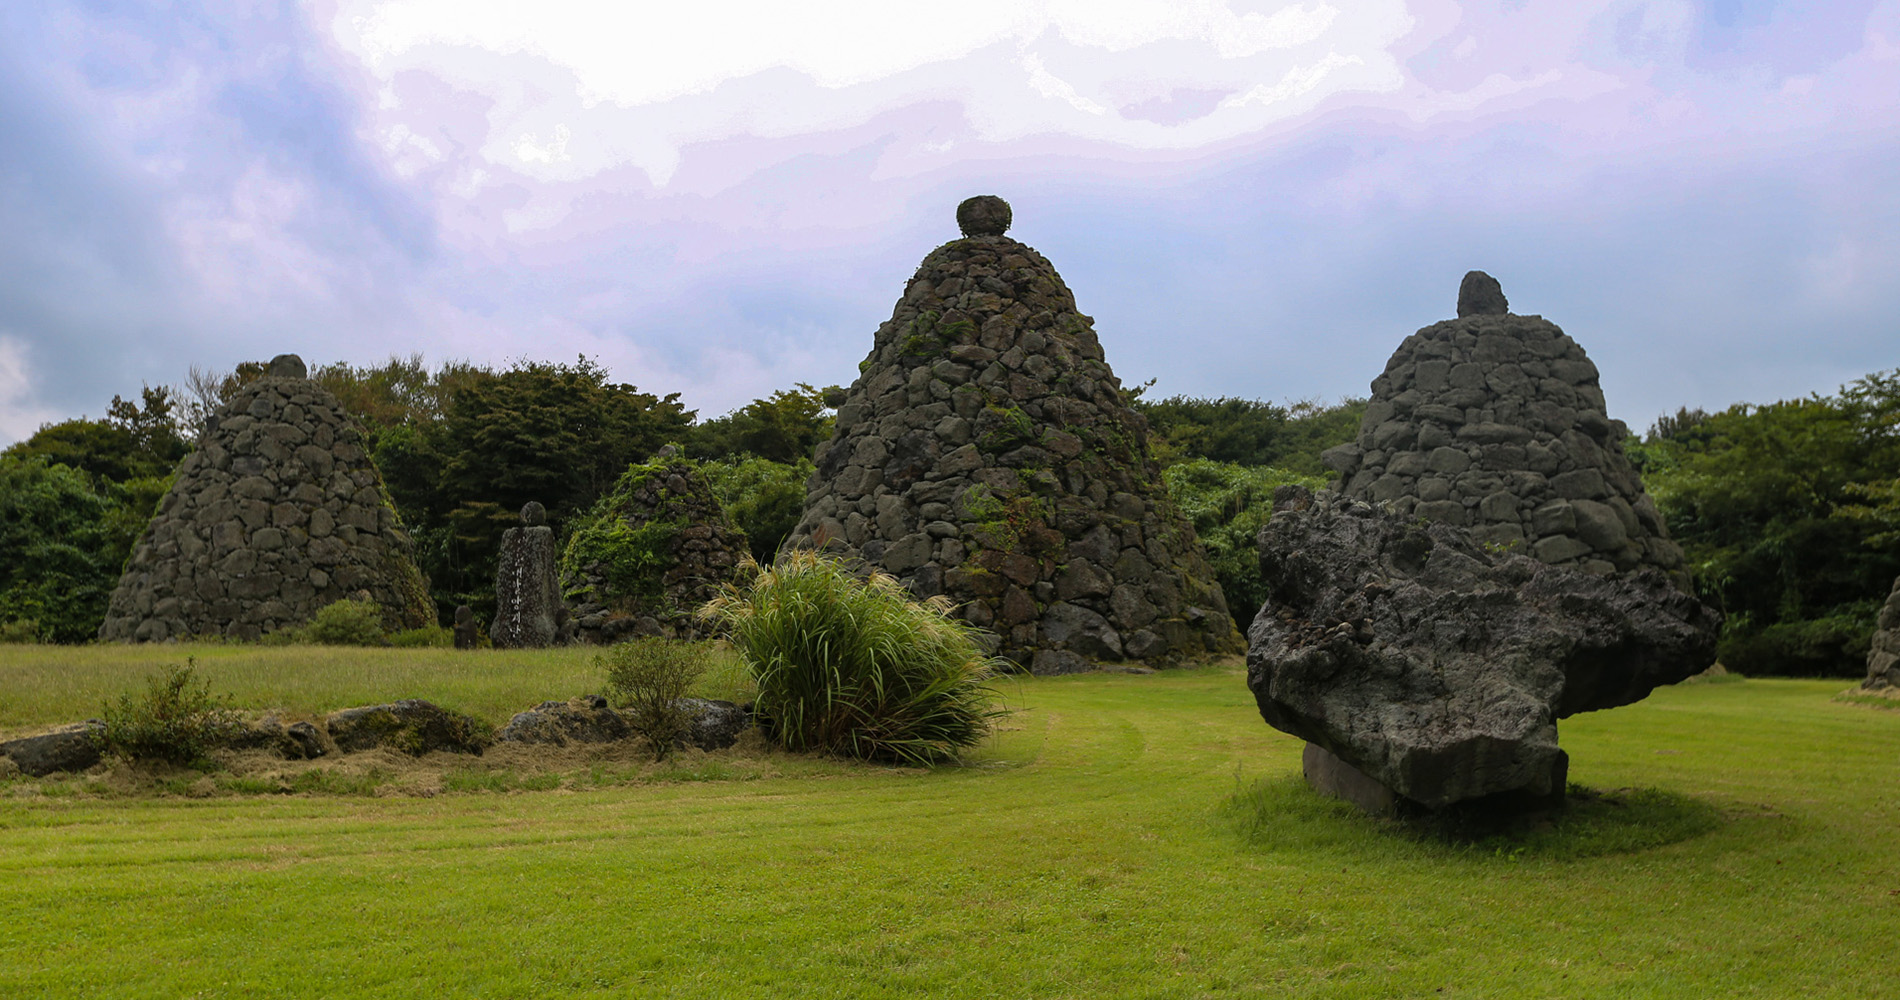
[412,726]
[528,609]
[278,513]
[1495,422]
[70,748]
[986,452]
[653,551]
[467,636]
[296,741]
[587,719]
[1883,660]
[716,724]
[1439,668]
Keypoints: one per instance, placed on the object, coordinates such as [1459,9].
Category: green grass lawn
[1126,836]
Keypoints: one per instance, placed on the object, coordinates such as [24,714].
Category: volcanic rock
[580,720]
[1495,422]
[651,553]
[72,748]
[1438,667]
[986,452]
[412,726]
[278,513]
[1883,660]
[528,609]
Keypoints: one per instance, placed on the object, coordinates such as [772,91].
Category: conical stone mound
[986,453]
[278,513]
[1495,422]
[653,551]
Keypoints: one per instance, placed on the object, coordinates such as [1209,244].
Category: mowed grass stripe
[1089,852]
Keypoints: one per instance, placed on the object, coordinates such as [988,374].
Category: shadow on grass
[1284,814]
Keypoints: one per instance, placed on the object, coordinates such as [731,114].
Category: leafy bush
[1228,503]
[1833,646]
[177,721]
[648,677]
[348,622]
[764,498]
[19,631]
[857,667]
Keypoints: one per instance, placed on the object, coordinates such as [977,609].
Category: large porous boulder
[1438,667]
[651,552]
[70,748]
[278,513]
[1495,422]
[1883,660]
[714,724]
[412,726]
[986,452]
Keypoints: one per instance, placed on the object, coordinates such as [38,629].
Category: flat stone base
[1333,777]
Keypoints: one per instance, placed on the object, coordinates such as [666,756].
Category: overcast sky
[716,198]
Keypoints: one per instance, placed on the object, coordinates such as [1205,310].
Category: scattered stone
[652,552]
[278,513]
[986,453]
[1437,667]
[1496,422]
[72,748]
[528,608]
[467,635]
[586,719]
[1883,660]
[412,726]
[715,725]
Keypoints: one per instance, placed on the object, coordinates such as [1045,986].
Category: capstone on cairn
[986,452]
[278,512]
[1495,422]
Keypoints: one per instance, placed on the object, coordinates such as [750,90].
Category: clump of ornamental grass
[856,667]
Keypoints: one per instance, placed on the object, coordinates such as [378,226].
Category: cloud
[20,414]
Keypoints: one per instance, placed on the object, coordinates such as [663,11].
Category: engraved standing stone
[465,633]
[1495,422]
[277,513]
[986,452]
[527,593]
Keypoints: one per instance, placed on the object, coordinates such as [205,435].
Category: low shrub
[348,622]
[857,666]
[177,721]
[426,637]
[648,677]
[1834,646]
[20,631]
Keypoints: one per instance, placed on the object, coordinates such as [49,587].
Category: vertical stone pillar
[527,589]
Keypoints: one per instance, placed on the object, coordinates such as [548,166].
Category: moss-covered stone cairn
[650,554]
[278,513]
[986,453]
[1883,657]
[1495,422]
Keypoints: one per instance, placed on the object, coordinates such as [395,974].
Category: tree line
[1789,512]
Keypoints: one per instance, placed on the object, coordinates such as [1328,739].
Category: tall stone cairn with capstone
[657,547]
[1883,659]
[986,453]
[528,610]
[278,513]
[1495,422]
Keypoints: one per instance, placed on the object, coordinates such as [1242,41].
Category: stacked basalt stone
[1495,422]
[1883,657]
[278,513]
[986,453]
[691,548]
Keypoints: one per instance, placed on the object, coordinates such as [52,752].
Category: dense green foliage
[1772,506]
[857,667]
[64,538]
[131,442]
[1250,431]
[1228,504]
[785,427]
[763,497]
[647,677]
[176,720]
[348,622]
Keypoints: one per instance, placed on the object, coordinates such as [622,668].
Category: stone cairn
[1495,422]
[986,453]
[1883,660]
[661,547]
[278,512]
[528,609]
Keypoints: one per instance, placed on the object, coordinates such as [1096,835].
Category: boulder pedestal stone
[278,513]
[1495,422]
[1437,668]
[986,453]
[1883,660]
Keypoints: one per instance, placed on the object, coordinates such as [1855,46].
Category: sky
[721,199]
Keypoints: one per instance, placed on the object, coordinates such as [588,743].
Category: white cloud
[20,415]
